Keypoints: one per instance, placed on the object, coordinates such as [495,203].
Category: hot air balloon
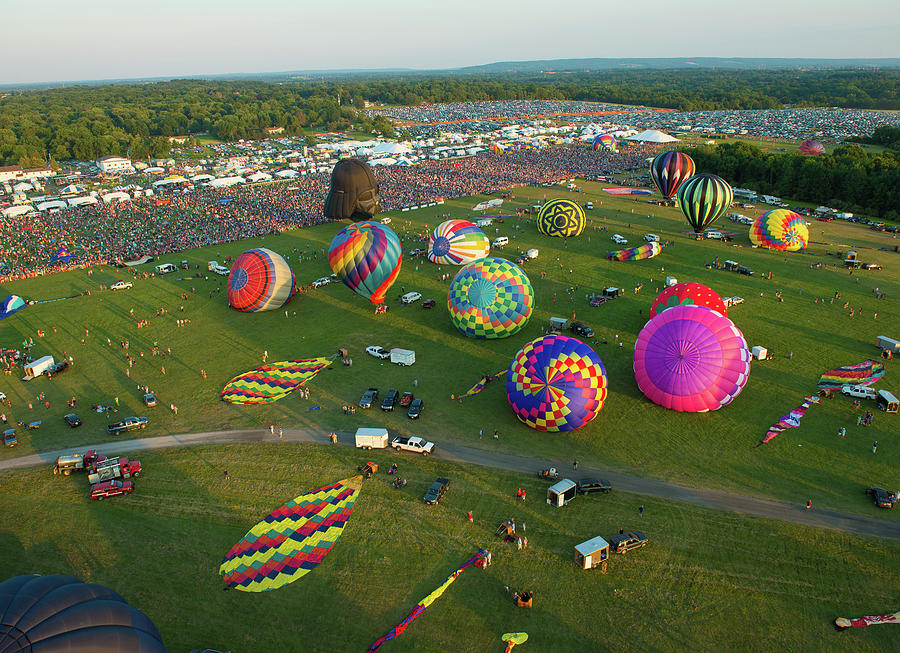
[811,148]
[354,192]
[605,142]
[292,540]
[497,149]
[272,381]
[457,242]
[703,198]
[688,293]
[781,230]
[561,218]
[647,250]
[669,170]
[690,358]
[259,280]
[556,383]
[12,304]
[367,257]
[490,298]
[61,614]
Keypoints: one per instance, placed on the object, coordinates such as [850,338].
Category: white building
[8,173]
[114,165]
[33,174]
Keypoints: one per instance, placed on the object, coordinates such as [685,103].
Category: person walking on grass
[641,510]
[875,446]
[809,505]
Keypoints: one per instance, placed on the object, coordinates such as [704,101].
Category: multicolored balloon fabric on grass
[259,280]
[669,170]
[690,358]
[842,623]
[703,199]
[367,257]
[688,293]
[271,382]
[490,298]
[457,242]
[561,218]
[61,614]
[811,148]
[292,540]
[639,253]
[865,373]
[556,383]
[781,230]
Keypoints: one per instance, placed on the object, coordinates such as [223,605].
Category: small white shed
[592,553]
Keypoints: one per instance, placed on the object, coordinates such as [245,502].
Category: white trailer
[39,366]
[404,357]
[371,438]
[889,344]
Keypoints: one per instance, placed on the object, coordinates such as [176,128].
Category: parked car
[732,301]
[597,300]
[121,285]
[368,398]
[100,491]
[73,420]
[411,297]
[742,269]
[390,400]
[429,303]
[378,352]
[871,266]
[883,498]
[591,485]
[628,541]
[436,491]
[581,329]
[651,238]
[417,252]
[9,438]
[859,391]
[618,240]
[321,281]
[57,368]
[415,408]
[149,399]
[406,399]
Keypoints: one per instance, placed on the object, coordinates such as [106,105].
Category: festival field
[631,434]
[707,580]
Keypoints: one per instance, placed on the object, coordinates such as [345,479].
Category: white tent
[202,177]
[287,174]
[223,182]
[72,188]
[392,148]
[19,209]
[652,136]
[386,161]
[259,176]
[23,186]
[78,201]
[52,204]
[118,196]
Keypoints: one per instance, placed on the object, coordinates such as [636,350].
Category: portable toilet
[593,553]
[561,493]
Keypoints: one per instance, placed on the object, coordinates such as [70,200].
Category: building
[114,165]
[32,174]
[271,131]
[9,173]
[179,140]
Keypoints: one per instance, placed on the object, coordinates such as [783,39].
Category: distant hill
[731,63]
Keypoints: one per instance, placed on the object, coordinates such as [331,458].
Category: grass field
[704,572]
[706,581]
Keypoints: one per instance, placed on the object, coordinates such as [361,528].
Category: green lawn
[707,580]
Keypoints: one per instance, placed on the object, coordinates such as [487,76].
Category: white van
[165,268]
[500,242]
[371,438]
[651,238]
[411,297]
[532,253]
[715,235]
[386,220]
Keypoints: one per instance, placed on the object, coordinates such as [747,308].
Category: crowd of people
[160,224]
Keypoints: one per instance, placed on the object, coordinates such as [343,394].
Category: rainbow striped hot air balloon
[669,170]
[556,383]
[695,294]
[259,280]
[561,218]
[703,198]
[781,230]
[367,257]
[647,250]
[457,242]
[605,142]
[690,358]
[490,298]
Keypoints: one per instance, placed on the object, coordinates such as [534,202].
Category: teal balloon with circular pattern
[561,218]
[490,298]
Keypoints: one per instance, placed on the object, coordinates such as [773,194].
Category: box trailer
[561,493]
[39,366]
[887,402]
[592,553]
[403,356]
[889,344]
[759,353]
[371,438]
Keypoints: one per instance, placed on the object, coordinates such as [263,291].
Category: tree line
[84,122]
[849,178]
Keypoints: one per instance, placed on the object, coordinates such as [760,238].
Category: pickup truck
[127,424]
[112,468]
[416,444]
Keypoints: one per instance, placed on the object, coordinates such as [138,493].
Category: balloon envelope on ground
[781,230]
[692,359]
[688,293]
[61,614]
[367,257]
[490,298]
[647,250]
[260,280]
[669,170]
[703,198]
[561,218]
[811,148]
[556,383]
[457,242]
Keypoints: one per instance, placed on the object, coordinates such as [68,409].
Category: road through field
[458,453]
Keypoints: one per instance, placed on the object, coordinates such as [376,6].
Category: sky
[60,40]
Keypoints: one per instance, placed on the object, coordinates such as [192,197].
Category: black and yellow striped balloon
[561,218]
[703,198]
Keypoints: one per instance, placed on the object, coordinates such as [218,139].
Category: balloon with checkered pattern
[490,298]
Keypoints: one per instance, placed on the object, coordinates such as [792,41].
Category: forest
[42,127]
[849,179]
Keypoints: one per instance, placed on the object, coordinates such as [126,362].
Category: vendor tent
[652,136]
